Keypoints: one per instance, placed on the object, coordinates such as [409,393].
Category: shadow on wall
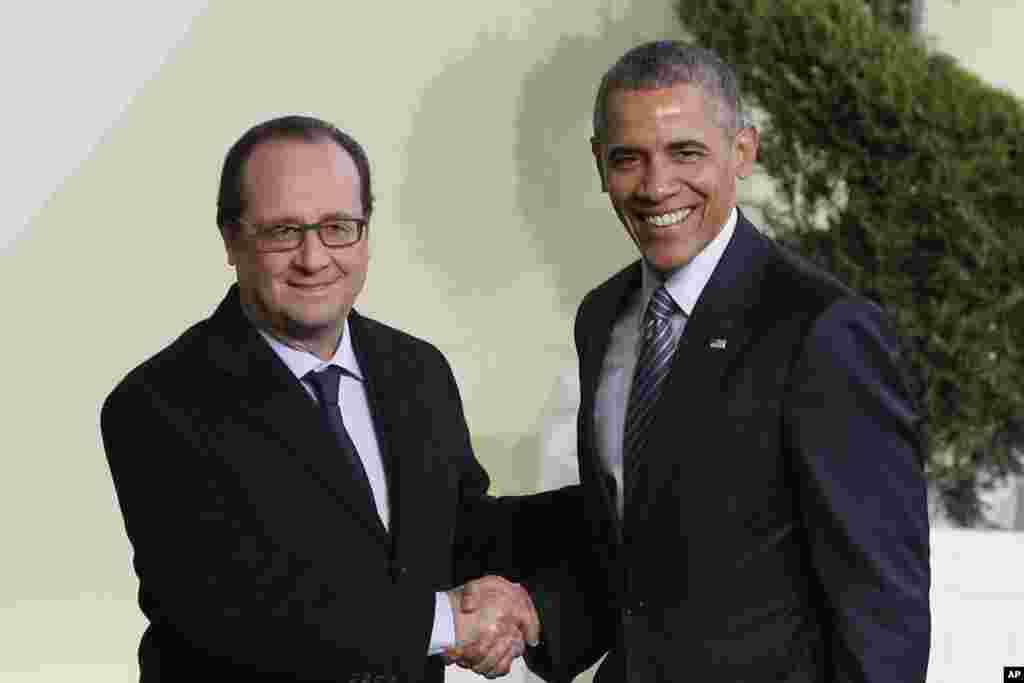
[572,232]
[558,190]
[545,458]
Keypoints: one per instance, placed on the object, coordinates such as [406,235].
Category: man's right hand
[493,618]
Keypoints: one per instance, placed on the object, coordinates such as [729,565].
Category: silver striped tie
[652,367]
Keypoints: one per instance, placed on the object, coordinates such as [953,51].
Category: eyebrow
[680,144]
[614,150]
[293,220]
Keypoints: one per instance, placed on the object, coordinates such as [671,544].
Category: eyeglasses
[336,232]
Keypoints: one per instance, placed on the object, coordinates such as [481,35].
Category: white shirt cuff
[443,635]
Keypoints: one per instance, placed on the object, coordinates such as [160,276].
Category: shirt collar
[303,362]
[684,284]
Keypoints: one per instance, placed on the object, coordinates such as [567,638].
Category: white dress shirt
[684,285]
[355,412]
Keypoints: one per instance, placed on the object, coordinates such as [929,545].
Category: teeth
[671,218]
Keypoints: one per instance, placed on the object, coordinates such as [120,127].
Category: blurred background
[489,228]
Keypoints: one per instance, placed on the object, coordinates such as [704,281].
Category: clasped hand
[494,620]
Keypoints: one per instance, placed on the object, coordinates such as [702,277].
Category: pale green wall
[984,35]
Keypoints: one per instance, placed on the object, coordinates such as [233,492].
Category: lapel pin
[718,344]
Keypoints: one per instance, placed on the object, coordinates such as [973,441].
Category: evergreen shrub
[902,173]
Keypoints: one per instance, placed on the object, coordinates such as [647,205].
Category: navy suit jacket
[776,527]
[257,554]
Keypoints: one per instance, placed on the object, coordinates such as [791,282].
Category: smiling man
[749,449]
[296,479]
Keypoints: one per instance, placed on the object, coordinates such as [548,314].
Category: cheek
[723,183]
[356,260]
[266,273]
[621,183]
[619,189]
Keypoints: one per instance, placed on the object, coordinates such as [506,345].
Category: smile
[312,288]
[663,220]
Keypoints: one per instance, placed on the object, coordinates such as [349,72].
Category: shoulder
[609,291]
[831,316]
[794,288]
[615,284]
[841,328]
[373,337]
[792,278]
[178,365]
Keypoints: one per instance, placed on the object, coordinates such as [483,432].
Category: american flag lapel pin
[718,343]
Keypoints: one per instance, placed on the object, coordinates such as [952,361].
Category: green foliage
[897,14]
[903,174]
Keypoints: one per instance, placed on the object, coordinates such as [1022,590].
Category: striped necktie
[652,366]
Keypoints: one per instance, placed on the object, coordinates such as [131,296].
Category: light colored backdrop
[490,228]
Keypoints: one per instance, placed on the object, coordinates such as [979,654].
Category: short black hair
[664,63]
[230,197]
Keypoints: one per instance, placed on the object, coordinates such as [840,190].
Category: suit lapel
[402,432]
[609,303]
[716,333]
[272,401]
[377,360]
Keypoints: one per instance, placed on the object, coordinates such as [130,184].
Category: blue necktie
[325,385]
[652,366]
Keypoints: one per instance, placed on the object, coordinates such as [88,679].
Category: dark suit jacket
[776,528]
[256,555]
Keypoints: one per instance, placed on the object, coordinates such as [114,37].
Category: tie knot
[662,306]
[325,384]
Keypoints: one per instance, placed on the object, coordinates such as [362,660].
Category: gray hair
[664,63]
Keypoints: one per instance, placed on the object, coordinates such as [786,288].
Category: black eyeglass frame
[260,235]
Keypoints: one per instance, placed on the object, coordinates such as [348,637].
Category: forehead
[683,108]
[292,174]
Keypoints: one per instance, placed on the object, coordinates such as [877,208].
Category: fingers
[493,653]
[476,592]
[510,598]
[499,660]
[494,619]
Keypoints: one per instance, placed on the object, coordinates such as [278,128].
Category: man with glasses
[297,480]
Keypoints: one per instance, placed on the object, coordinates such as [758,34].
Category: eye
[688,154]
[623,161]
[282,233]
[340,228]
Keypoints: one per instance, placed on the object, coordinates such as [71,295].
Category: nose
[311,254]
[659,182]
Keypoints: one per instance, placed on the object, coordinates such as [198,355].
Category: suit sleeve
[213,578]
[512,536]
[540,540]
[857,453]
[571,589]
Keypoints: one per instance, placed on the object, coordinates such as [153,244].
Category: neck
[321,342]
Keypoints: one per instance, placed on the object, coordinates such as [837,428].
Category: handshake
[494,621]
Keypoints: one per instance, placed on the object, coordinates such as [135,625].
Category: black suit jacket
[256,554]
[776,528]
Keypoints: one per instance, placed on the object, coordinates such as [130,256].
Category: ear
[597,149]
[228,239]
[745,150]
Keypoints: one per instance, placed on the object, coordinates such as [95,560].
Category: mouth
[667,219]
[312,287]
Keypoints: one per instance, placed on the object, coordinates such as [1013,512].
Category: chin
[305,328]
[315,319]
[661,261]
